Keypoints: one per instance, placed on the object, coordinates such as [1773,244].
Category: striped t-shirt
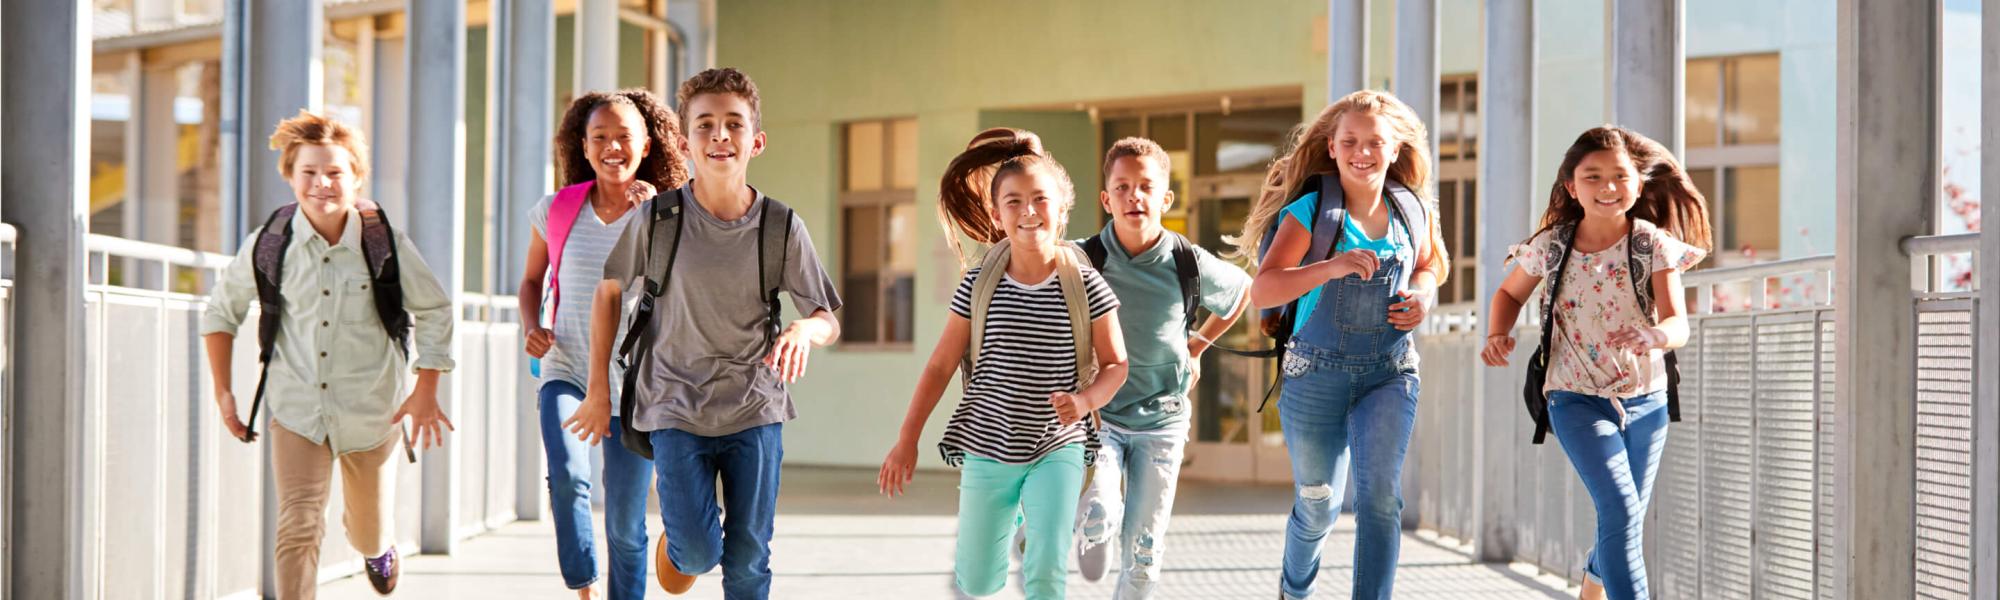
[1027,353]
[590,241]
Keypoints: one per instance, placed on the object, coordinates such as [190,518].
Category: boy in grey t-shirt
[711,394]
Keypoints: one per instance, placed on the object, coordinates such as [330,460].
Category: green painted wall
[958,67]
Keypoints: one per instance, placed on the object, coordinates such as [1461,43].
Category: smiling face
[615,142]
[1605,183]
[722,135]
[1136,193]
[1363,146]
[323,180]
[1030,207]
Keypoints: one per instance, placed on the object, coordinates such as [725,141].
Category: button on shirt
[335,376]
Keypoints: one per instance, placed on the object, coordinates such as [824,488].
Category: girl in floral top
[1621,205]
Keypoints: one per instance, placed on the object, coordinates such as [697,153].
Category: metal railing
[1744,501]
[7,237]
[192,501]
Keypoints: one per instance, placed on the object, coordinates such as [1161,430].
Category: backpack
[1278,321]
[568,205]
[1187,268]
[1639,259]
[992,269]
[378,250]
[663,240]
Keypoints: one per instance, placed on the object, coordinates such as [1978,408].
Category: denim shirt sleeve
[430,309]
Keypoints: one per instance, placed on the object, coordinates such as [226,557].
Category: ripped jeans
[1340,411]
[1130,498]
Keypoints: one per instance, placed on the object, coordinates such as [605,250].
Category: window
[877,220]
[1457,187]
[1732,152]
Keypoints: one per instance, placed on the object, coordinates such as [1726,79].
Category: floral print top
[1598,299]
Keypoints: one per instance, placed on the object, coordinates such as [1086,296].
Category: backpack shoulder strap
[1416,216]
[992,268]
[378,249]
[774,241]
[563,212]
[1070,277]
[663,239]
[1639,249]
[1331,224]
[1187,269]
[269,261]
[1093,248]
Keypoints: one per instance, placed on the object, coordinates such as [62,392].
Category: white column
[1885,176]
[1346,47]
[389,127]
[44,144]
[694,21]
[1417,61]
[437,219]
[523,41]
[1986,404]
[596,45]
[282,75]
[158,164]
[1648,68]
[1506,192]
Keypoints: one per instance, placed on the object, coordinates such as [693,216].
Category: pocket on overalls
[1362,314]
[1296,365]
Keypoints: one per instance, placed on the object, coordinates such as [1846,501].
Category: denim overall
[1350,386]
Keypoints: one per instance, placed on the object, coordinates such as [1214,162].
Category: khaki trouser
[303,471]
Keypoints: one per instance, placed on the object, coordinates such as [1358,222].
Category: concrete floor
[837,539]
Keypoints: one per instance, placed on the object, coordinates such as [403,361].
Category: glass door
[1230,439]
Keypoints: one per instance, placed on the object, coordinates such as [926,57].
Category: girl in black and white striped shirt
[1022,431]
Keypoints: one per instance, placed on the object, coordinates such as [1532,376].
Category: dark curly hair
[662,166]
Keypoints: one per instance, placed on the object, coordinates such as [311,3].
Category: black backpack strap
[378,249]
[1567,233]
[1416,216]
[774,240]
[1187,268]
[268,261]
[663,240]
[1640,248]
[1093,248]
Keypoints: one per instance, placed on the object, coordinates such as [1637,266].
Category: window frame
[883,200]
[1724,159]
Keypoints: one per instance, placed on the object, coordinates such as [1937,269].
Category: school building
[1841,433]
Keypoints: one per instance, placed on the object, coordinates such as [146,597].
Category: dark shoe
[383,571]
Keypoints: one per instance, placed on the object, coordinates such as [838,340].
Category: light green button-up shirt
[335,376]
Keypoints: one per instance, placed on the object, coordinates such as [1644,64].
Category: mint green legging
[994,498]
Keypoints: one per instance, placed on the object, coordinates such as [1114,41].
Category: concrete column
[1417,61]
[282,75]
[437,223]
[1346,47]
[389,128]
[1648,68]
[1506,192]
[523,43]
[158,163]
[694,21]
[44,144]
[1986,405]
[596,45]
[1885,180]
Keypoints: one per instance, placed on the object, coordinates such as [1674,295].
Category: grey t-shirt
[705,374]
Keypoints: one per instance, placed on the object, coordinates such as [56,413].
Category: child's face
[1136,192]
[1605,183]
[615,142]
[1029,207]
[323,180]
[1363,147]
[721,138]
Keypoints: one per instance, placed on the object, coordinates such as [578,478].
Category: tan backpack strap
[1070,277]
[992,269]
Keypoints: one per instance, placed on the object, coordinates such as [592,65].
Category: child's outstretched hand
[422,409]
[790,352]
[897,470]
[1070,408]
[1638,340]
[1498,347]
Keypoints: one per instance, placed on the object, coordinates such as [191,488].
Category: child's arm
[1672,329]
[1507,302]
[1275,285]
[592,420]
[538,339]
[1214,327]
[900,466]
[430,308]
[228,305]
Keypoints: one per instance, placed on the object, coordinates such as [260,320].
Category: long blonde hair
[1308,157]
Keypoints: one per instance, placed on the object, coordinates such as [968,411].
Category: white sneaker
[1093,560]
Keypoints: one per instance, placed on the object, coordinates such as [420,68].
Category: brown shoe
[383,571]
[671,579]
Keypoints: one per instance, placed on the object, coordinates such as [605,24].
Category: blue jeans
[626,478]
[1617,467]
[1333,404]
[1130,497]
[699,537]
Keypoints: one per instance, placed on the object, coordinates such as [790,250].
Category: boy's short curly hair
[723,80]
[1139,148]
[314,129]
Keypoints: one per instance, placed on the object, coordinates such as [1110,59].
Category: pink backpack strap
[563,212]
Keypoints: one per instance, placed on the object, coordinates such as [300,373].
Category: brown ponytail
[973,176]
